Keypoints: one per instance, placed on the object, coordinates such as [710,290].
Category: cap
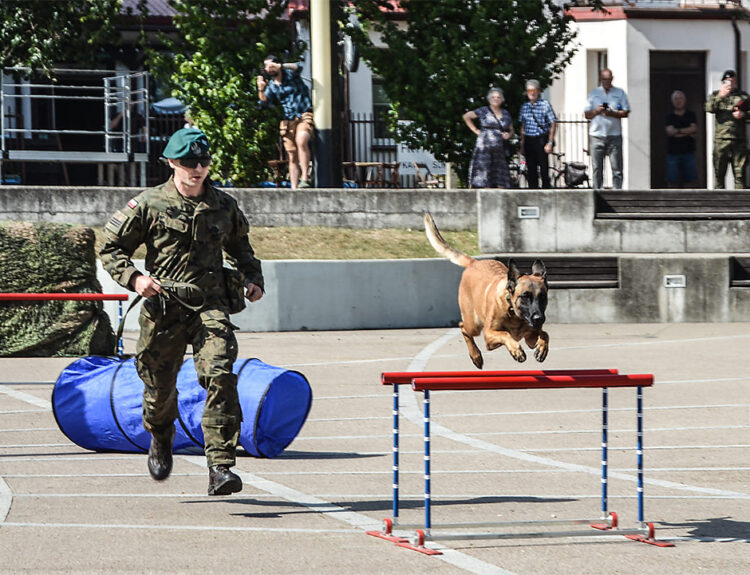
[729,74]
[187,143]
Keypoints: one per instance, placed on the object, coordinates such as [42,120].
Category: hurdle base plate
[419,548]
[388,537]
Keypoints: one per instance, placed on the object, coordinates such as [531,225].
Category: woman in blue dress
[489,167]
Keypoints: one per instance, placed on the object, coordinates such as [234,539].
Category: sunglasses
[192,163]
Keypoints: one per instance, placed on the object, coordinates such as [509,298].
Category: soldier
[185,224]
[729,105]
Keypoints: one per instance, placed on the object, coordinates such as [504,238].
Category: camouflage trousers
[159,356]
[725,152]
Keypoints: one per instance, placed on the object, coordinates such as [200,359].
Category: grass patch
[317,243]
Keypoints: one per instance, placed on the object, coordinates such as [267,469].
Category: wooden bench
[673,204]
[571,272]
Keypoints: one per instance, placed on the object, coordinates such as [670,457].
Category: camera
[262,72]
[605,105]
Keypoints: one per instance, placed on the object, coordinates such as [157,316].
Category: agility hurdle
[119,297]
[495,380]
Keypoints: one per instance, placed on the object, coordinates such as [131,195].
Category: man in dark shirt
[681,128]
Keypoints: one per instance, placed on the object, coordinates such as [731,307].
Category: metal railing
[69,118]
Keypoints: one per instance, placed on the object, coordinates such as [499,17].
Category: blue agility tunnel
[97,402]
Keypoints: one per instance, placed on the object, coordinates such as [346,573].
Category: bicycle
[517,169]
[568,174]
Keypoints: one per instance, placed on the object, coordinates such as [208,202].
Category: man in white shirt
[606,108]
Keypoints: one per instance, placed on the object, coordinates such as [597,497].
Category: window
[380,110]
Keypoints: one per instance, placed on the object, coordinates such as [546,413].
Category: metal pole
[427,492]
[395,452]
[327,153]
[639,452]
[119,321]
[605,402]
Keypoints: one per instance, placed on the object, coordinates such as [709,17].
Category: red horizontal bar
[63,296]
[530,382]
[406,377]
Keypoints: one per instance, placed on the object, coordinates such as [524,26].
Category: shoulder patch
[132,203]
[116,222]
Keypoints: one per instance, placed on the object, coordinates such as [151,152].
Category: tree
[449,53]
[212,68]
[38,33]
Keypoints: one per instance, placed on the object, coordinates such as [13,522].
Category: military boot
[160,458]
[221,481]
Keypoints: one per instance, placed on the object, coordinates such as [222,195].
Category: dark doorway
[670,71]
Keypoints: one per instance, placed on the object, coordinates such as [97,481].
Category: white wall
[628,44]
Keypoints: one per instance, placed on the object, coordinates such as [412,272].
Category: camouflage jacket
[726,127]
[185,239]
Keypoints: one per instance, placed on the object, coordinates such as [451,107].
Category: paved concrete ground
[499,455]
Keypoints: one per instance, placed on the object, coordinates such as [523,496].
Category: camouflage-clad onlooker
[186,225]
[729,105]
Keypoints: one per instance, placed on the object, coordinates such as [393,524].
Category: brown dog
[508,306]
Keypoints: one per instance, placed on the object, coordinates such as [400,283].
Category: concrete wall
[393,294]
[453,209]
[566,224]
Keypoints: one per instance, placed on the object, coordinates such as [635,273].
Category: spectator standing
[489,165]
[729,105]
[286,87]
[186,225]
[538,126]
[606,108]
[681,129]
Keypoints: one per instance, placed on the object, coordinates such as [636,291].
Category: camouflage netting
[41,258]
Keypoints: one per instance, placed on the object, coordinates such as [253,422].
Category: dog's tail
[441,246]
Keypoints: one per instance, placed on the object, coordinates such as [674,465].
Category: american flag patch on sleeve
[132,203]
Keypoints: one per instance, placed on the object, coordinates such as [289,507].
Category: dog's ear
[513,275]
[538,269]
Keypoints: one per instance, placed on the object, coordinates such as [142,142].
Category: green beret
[187,143]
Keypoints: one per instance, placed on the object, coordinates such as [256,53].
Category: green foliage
[213,67]
[43,257]
[443,59]
[40,33]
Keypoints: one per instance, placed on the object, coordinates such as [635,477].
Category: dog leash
[171,290]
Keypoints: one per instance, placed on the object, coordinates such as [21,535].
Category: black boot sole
[227,488]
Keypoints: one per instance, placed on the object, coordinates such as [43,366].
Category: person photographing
[729,105]
[282,83]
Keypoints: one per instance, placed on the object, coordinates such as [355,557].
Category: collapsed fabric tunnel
[97,402]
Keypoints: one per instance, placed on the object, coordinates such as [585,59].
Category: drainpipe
[737,51]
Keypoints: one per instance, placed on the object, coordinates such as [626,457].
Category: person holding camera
[606,107]
[729,105]
[282,83]
[489,165]
[538,125]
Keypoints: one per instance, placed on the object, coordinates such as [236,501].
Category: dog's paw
[477,360]
[540,353]
[518,354]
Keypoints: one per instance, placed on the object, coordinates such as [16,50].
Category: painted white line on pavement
[6,500]
[28,429]
[70,475]
[28,445]
[17,411]
[632,448]
[27,397]
[176,527]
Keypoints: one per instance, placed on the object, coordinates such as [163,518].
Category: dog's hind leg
[474,353]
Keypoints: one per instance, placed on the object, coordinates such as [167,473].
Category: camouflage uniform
[730,144]
[184,240]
